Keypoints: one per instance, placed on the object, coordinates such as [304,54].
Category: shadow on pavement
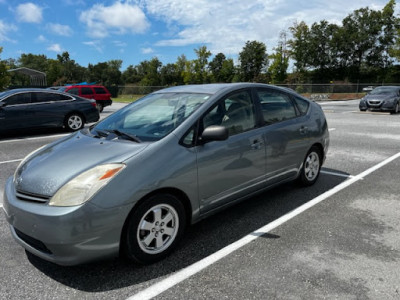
[199,241]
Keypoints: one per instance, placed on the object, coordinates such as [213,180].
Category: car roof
[214,88]
[25,90]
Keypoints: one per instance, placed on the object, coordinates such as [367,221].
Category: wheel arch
[167,190]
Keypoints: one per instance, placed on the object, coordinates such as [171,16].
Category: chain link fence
[312,91]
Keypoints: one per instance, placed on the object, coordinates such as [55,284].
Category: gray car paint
[207,177]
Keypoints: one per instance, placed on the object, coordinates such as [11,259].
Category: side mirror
[214,133]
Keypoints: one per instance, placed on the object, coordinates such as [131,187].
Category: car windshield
[384,90]
[152,117]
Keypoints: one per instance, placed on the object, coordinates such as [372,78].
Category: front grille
[38,245]
[374,102]
[31,197]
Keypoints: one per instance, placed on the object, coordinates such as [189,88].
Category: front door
[235,167]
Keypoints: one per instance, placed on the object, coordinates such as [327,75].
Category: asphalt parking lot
[339,239]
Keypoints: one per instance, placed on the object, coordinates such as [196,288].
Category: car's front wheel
[74,122]
[154,229]
[311,167]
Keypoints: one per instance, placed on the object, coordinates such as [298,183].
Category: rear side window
[302,104]
[43,97]
[49,97]
[86,91]
[276,106]
[100,90]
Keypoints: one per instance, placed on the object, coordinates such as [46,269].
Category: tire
[99,107]
[311,167]
[74,122]
[153,229]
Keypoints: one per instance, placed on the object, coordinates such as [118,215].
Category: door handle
[303,130]
[256,145]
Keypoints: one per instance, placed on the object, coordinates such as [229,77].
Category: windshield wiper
[101,133]
[126,135]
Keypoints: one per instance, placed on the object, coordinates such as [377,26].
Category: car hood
[48,169]
[379,97]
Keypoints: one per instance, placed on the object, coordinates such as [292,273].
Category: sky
[137,30]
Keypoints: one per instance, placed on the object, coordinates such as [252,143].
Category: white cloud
[97,45]
[147,50]
[55,48]
[226,25]
[41,39]
[58,29]
[29,13]
[119,18]
[5,29]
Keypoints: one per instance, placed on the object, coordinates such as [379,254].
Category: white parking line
[165,284]
[336,174]
[34,138]
[332,129]
[10,161]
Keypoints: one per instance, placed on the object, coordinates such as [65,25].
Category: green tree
[5,77]
[222,69]
[131,75]
[201,74]
[253,59]
[299,46]
[280,61]
[150,70]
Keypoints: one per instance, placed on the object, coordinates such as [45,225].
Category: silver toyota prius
[131,183]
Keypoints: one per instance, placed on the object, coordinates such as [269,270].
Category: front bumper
[377,105]
[64,235]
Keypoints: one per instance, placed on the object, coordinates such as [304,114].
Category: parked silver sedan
[135,180]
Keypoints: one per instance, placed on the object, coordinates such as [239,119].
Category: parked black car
[34,108]
[383,98]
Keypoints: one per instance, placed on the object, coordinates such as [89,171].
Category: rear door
[49,109]
[87,92]
[285,134]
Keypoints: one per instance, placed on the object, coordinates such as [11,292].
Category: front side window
[154,116]
[235,112]
[276,106]
[18,99]
[74,91]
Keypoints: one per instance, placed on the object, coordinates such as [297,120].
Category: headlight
[84,186]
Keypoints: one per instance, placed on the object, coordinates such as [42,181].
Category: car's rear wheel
[74,122]
[154,229]
[396,109]
[311,167]
[99,107]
